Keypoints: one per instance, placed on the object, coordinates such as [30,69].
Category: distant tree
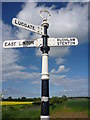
[64,98]
[18,99]
[54,100]
[34,99]
[38,99]
[9,98]
[23,98]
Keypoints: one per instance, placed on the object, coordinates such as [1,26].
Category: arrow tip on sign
[4,44]
[76,41]
[13,21]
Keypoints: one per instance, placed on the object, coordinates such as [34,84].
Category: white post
[45,88]
[45,75]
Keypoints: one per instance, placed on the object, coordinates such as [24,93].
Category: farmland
[14,103]
[73,108]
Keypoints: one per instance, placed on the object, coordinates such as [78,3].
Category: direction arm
[28,26]
[22,43]
[56,42]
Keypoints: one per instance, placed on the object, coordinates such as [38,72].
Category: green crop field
[68,109]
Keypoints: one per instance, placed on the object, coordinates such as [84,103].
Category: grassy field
[68,109]
[71,109]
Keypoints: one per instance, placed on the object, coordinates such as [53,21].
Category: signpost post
[45,75]
[44,43]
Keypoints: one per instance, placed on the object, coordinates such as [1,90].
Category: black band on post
[45,49]
[45,108]
[45,88]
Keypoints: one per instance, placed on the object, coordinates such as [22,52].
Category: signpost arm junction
[45,75]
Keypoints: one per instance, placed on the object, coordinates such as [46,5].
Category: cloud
[68,86]
[15,93]
[82,91]
[9,57]
[60,61]
[69,21]
[60,69]
[20,75]
[33,67]
[7,32]
[55,79]
[59,51]
[10,68]
[65,22]
[9,65]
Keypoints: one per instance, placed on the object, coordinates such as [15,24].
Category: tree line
[52,100]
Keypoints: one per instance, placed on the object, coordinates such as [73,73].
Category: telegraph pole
[45,75]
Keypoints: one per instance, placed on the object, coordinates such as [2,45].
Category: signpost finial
[44,16]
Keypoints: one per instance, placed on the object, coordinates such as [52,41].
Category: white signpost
[22,43]
[62,42]
[44,43]
[52,42]
[28,26]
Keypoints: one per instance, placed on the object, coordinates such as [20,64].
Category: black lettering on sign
[60,43]
[5,43]
[10,43]
[33,27]
[66,43]
[25,25]
[24,43]
[58,40]
[19,23]
[63,43]
[28,42]
[20,43]
[32,42]
[16,22]
[28,26]
[74,43]
[57,43]
[74,39]
[14,43]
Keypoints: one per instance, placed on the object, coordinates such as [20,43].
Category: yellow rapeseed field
[13,103]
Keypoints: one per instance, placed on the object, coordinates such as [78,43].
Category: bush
[36,103]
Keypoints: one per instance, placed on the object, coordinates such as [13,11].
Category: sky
[68,66]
